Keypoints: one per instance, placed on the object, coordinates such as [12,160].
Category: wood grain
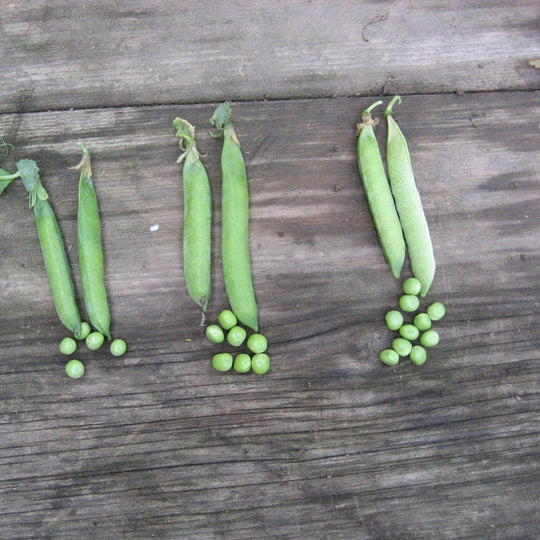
[330,443]
[57,54]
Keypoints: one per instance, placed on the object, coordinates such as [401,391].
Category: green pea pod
[197,225]
[52,248]
[90,250]
[235,222]
[408,204]
[378,194]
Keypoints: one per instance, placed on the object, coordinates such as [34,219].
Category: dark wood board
[57,54]
[330,443]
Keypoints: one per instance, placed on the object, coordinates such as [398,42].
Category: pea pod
[378,194]
[235,222]
[52,248]
[197,225]
[408,204]
[90,250]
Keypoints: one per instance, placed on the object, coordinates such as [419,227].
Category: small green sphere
[409,331]
[411,286]
[260,363]
[242,363]
[436,311]
[422,321]
[429,338]
[118,347]
[215,334]
[389,357]
[227,319]
[393,319]
[257,343]
[418,355]
[402,346]
[222,361]
[85,330]
[75,369]
[236,336]
[94,340]
[409,302]
[68,345]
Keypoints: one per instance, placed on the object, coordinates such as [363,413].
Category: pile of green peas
[230,330]
[414,336]
[94,340]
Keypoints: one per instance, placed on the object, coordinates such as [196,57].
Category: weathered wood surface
[61,54]
[330,443]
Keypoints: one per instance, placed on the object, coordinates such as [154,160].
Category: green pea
[242,363]
[95,340]
[408,204]
[409,331]
[389,357]
[85,330]
[418,355]
[409,302]
[215,333]
[402,346]
[378,194]
[422,321]
[222,361]
[235,254]
[118,347]
[411,286]
[90,250]
[436,311]
[227,319]
[429,338]
[236,336]
[75,369]
[197,226]
[260,363]
[68,345]
[52,248]
[393,319]
[257,343]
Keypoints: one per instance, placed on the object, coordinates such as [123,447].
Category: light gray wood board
[62,54]
[330,443]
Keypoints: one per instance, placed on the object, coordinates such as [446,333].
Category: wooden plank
[62,54]
[330,443]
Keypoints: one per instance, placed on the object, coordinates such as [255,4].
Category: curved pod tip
[388,109]
[371,107]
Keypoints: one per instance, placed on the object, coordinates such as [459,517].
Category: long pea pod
[197,225]
[52,248]
[235,222]
[91,250]
[378,194]
[408,203]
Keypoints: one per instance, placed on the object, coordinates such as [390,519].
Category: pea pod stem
[235,222]
[52,248]
[91,250]
[378,194]
[197,224]
[6,178]
[409,204]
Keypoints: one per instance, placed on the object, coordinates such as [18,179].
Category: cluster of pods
[235,256]
[401,225]
[57,266]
